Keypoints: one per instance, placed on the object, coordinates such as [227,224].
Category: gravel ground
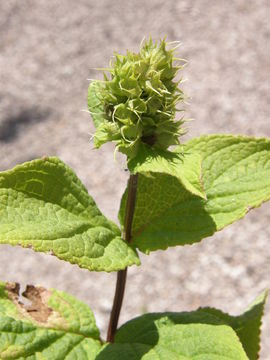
[48,50]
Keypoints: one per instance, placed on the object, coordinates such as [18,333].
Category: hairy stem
[122,275]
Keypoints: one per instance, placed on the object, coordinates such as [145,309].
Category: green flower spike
[136,103]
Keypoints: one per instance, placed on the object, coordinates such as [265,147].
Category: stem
[122,274]
[117,304]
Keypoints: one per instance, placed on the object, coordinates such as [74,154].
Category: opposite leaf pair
[57,326]
[182,197]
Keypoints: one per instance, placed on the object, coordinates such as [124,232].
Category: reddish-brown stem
[122,275]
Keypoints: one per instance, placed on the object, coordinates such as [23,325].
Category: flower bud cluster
[136,102]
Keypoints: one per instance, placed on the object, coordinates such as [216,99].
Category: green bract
[137,102]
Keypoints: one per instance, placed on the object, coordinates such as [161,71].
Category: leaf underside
[55,326]
[45,207]
[235,173]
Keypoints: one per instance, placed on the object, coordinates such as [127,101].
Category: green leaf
[50,324]
[183,336]
[45,207]
[247,326]
[95,106]
[236,173]
[235,177]
[53,326]
[185,167]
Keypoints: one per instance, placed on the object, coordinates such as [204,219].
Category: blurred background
[48,51]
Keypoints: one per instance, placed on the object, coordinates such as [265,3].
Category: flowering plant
[175,196]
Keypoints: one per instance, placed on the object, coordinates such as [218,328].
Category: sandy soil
[48,50]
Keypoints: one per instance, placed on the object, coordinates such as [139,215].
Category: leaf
[160,337]
[236,173]
[95,106]
[247,326]
[185,167]
[54,326]
[44,206]
[50,324]
[235,177]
